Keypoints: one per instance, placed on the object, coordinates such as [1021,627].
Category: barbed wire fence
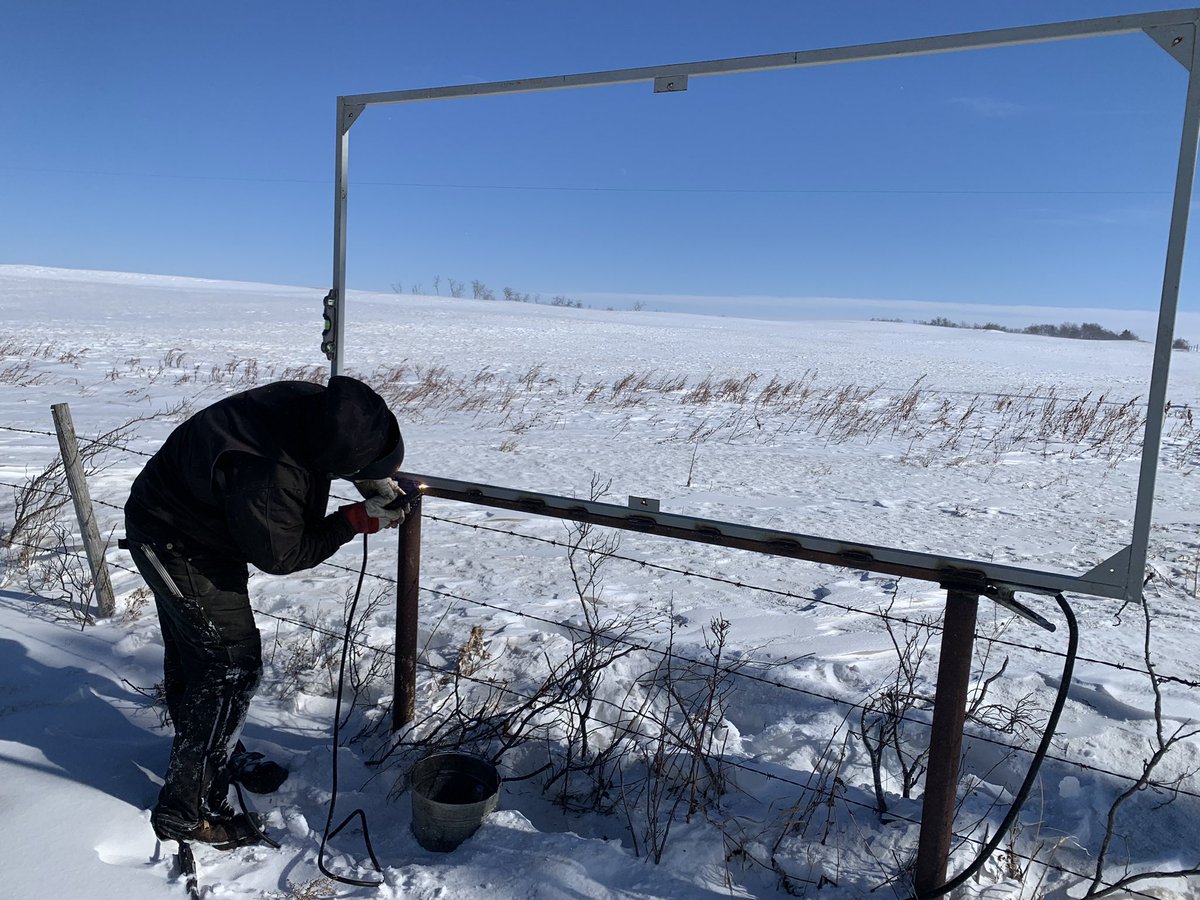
[718,579]
[979,731]
[446,671]
[735,583]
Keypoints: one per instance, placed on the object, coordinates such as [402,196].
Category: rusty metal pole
[408,584]
[945,743]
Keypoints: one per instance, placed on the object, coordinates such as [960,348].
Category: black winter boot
[254,771]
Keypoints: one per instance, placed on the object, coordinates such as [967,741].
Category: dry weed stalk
[40,501]
[1160,746]
[812,817]
[886,717]
[737,407]
[648,747]
[61,577]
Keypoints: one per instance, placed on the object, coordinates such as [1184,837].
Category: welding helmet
[388,464]
[352,433]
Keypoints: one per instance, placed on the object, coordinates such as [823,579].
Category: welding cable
[333,765]
[252,818]
[1036,764]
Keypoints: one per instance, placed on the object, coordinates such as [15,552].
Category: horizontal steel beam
[948,571]
[976,40]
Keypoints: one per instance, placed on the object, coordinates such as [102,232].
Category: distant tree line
[480,291]
[1088,331]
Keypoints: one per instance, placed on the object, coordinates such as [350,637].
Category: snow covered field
[988,445]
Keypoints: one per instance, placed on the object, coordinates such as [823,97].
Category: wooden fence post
[408,585]
[945,741]
[106,604]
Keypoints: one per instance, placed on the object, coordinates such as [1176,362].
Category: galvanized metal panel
[1121,575]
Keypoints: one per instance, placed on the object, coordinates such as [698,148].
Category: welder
[245,482]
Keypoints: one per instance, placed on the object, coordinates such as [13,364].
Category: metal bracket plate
[1178,40]
[670,84]
[1113,570]
[350,114]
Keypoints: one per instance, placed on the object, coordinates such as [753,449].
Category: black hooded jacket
[248,478]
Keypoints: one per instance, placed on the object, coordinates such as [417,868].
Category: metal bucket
[451,793]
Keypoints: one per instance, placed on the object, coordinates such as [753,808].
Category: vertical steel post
[1172,272]
[945,742]
[340,191]
[408,585]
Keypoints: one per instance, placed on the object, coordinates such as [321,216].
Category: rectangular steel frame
[1120,576]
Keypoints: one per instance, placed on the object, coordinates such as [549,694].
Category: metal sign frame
[1120,576]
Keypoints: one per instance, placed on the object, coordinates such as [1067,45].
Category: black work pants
[212,665]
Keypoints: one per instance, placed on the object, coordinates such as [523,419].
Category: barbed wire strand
[816,694]
[54,493]
[766,681]
[786,687]
[877,614]
[719,579]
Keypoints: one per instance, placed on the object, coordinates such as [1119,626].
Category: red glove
[360,520]
[368,516]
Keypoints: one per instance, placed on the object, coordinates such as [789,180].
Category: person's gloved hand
[379,487]
[388,518]
[368,516]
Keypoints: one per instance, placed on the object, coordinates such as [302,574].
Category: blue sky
[197,139]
